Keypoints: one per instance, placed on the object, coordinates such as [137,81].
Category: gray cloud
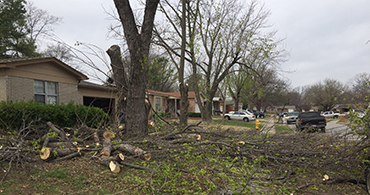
[327,39]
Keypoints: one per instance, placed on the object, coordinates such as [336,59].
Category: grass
[284,129]
[251,124]
[213,166]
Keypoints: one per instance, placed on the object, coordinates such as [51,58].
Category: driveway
[338,129]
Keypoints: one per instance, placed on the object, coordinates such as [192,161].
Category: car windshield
[246,111]
[293,114]
[309,114]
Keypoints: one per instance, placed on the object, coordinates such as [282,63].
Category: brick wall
[20,89]
[68,93]
[3,88]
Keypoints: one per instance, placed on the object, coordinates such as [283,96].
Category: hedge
[14,114]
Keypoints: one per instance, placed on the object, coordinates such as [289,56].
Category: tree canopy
[14,42]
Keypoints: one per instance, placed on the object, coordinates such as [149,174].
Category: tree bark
[107,147]
[138,46]
[119,76]
[48,154]
[58,131]
[135,151]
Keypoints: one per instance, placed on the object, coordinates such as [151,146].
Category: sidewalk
[269,126]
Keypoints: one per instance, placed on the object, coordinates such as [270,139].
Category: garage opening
[107,104]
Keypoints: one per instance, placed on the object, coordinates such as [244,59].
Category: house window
[158,104]
[46,92]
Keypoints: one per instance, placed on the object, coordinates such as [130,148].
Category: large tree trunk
[184,104]
[138,45]
[207,112]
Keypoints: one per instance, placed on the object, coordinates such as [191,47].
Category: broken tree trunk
[135,151]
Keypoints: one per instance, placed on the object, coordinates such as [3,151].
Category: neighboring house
[170,101]
[230,104]
[49,80]
[217,105]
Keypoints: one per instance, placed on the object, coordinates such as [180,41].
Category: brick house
[49,80]
[170,101]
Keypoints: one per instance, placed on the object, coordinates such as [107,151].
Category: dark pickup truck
[311,121]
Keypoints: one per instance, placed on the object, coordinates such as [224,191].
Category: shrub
[14,115]
[193,114]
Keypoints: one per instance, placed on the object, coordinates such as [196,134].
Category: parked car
[240,115]
[258,113]
[328,114]
[290,117]
[338,114]
[310,121]
[281,114]
[359,113]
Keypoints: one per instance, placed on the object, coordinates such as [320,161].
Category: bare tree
[39,22]
[360,89]
[326,94]
[135,81]
[59,51]
[220,35]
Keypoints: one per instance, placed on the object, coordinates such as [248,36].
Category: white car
[290,117]
[328,114]
[240,115]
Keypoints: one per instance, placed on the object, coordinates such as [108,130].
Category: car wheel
[245,119]
[227,117]
[367,180]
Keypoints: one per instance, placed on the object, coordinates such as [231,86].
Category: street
[336,129]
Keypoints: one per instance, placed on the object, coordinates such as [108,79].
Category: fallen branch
[58,131]
[134,150]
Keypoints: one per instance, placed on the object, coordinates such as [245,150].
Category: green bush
[193,114]
[14,114]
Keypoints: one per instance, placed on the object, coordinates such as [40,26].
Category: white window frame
[158,101]
[49,95]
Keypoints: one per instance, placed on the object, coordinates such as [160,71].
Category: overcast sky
[326,38]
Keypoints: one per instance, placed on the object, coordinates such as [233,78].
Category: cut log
[112,162]
[135,151]
[56,130]
[107,135]
[48,154]
[114,167]
[45,154]
[107,147]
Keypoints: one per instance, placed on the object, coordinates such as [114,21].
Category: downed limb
[181,131]
[186,139]
[61,134]
[48,154]
[134,150]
